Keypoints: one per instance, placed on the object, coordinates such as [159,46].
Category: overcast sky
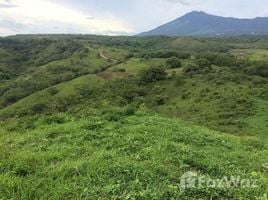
[111,17]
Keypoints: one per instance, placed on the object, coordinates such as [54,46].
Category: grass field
[252,54]
[139,156]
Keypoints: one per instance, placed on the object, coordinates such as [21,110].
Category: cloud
[111,16]
[42,16]
[7,4]
[183,2]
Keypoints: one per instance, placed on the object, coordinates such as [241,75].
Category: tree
[152,74]
[173,62]
[201,66]
[258,68]
[203,63]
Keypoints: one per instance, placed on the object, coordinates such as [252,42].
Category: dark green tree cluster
[173,62]
[152,74]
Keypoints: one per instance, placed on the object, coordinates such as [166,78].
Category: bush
[152,74]
[166,54]
[127,89]
[258,68]
[11,97]
[55,119]
[119,70]
[4,76]
[203,63]
[38,108]
[130,55]
[219,59]
[173,62]
[160,100]
[53,91]
[85,91]
[191,69]
[201,66]
[63,103]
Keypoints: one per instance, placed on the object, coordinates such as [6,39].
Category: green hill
[115,154]
[87,117]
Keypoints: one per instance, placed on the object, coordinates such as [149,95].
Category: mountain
[203,24]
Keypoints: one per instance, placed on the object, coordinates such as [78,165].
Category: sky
[112,17]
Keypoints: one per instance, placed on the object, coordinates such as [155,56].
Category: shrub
[219,59]
[258,68]
[57,119]
[160,100]
[152,74]
[119,70]
[127,89]
[85,91]
[191,69]
[129,110]
[160,54]
[63,103]
[203,63]
[38,108]
[4,76]
[179,80]
[11,97]
[173,62]
[130,55]
[201,66]
[52,91]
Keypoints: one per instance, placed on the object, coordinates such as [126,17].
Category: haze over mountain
[200,23]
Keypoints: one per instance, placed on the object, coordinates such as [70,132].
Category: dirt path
[105,57]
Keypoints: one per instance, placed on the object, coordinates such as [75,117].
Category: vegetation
[94,117]
[173,62]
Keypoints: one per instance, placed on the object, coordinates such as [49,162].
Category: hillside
[134,156]
[203,24]
[87,117]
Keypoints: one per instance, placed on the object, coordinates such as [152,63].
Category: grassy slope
[215,105]
[252,54]
[139,156]
[134,65]
[110,155]
[63,91]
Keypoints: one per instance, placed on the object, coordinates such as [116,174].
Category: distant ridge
[202,24]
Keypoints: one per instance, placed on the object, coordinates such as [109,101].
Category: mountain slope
[200,23]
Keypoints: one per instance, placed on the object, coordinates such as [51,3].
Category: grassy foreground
[118,154]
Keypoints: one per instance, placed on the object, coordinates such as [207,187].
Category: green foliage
[38,108]
[160,100]
[220,59]
[204,64]
[119,70]
[124,156]
[53,91]
[173,62]
[166,54]
[152,74]
[4,76]
[201,66]
[75,125]
[258,68]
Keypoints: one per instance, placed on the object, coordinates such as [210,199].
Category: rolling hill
[96,117]
[203,24]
